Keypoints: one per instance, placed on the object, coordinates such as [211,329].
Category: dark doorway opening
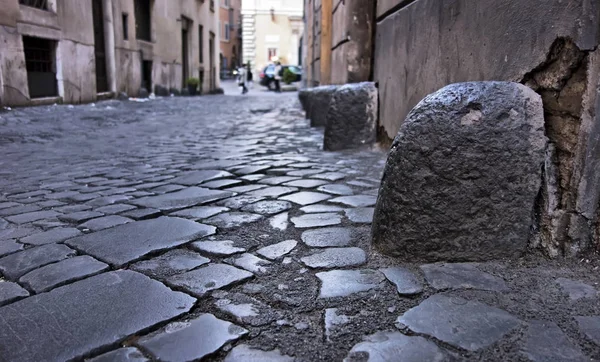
[143,17]
[99,48]
[211,61]
[40,62]
[186,25]
[147,75]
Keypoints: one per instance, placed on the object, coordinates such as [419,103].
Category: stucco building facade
[82,50]
[231,36]
[272,28]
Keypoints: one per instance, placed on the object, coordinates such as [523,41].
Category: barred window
[38,4]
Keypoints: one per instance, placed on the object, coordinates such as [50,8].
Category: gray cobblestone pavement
[216,228]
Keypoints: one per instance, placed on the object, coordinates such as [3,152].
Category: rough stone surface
[11,292]
[461,276]
[268,207]
[545,342]
[15,265]
[341,283]
[363,215]
[463,174]
[334,321]
[356,200]
[52,236]
[192,340]
[218,247]
[336,189]
[316,220]
[320,208]
[576,290]
[199,213]
[405,281]
[590,327]
[129,242]
[104,222]
[251,263]
[141,302]
[69,270]
[196,177]
[466,324]
[243,353]
[395,346]
[9,247]
[352,117]
[181,199]
[327,237]
[170,263]
[207,278]
[305,197]
[278,250]
[230,220]
[129,354]
[316,104]
[336,258]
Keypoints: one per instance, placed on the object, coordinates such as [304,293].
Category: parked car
[267,76]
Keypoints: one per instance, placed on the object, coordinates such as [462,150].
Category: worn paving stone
[330,176]
[66,271]
[127,354]
[342,283]
[243,353]
[395,346]
[170,263]
[5,205]
[246,310]
[194,339]
[316,220]
[356,200]
[69,209]
[190,196]
[327,237]
[336,258]
[279,221]
[11,292]
[70,315]
[590,327]
[462,323]
[320,208]
[213,276]
[306,197]
[360,184]
[239,201]
[251,263]
[245,188]
[274,181]
[576,290]
[80,216]
[199,213]
[362,215]
[18,232]
[268,207]
[545,342]
[461,276]
[142,214]
[15,265]
[126,243]
[334,321]
[250,170]
[303,172]
[167,188]
[230,220]
[32,216]
[104,222]
[115,209]
[276,251]
[16,210]
[273,191]
[108,200]
[335,189]
[217,184]
[406,282]
[9,247]
[197,177]
[306,183]
[218,247]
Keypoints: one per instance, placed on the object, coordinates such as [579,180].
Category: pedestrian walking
[250,76]
[278,75]
[243,79]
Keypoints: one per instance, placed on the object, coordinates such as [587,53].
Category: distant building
[80,50]
[230,22]
[272,28]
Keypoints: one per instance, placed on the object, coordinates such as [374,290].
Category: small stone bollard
[315,102]
[462,175]
[352,117]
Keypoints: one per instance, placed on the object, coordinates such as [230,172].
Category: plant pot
[192,89]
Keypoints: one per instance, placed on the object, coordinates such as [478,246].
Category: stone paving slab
[52,236]
[545,342]
[243,353]
[129,354]
[214,276]
[181,199]
[15,265]
[590,327]
[127,301]
[129,242]
[461,275]
[341,283]
[9,247]
[11,292]
[406,282]
[170,263]
[336,258]
[394,346]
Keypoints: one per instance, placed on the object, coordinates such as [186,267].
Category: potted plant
[288,76]
[192,85]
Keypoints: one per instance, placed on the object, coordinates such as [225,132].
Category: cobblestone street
[216,228]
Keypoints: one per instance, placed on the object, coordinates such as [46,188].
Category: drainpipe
[109,45]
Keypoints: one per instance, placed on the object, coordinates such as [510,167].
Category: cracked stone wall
[423,45]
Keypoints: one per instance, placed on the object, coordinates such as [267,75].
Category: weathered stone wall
[550,46]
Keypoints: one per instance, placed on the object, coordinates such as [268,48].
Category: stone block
[463,175]
[315,102]
[161,91]
[143,93]
[352,117]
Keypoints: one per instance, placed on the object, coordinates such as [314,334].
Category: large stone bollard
[463,174]
[352,117]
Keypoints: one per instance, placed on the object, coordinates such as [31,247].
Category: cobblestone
[270,283]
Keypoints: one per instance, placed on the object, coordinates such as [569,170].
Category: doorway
[185,56]
[40,62]
[147,75]
[211,61]
[99,48]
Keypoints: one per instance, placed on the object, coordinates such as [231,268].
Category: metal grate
[39,54]
[143,19]
[38,4]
